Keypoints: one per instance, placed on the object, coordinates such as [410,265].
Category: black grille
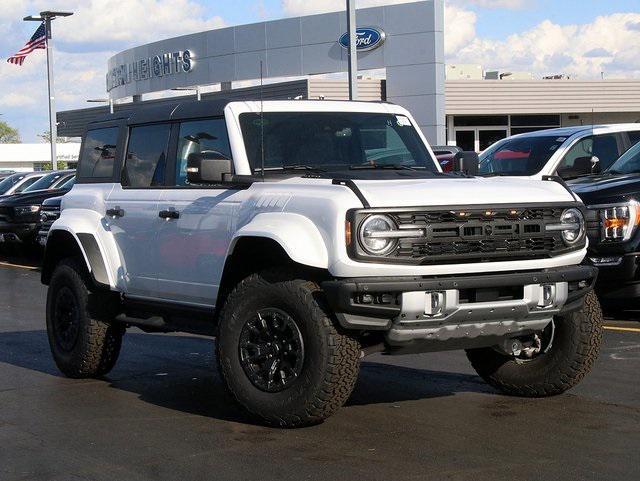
[51,215]
[477,235]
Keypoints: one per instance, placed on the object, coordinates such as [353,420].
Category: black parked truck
[20,214]
[613,215]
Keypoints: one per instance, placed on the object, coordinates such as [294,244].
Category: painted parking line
[18,266]
[622,329]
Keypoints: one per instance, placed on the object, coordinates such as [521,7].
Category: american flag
[38,40]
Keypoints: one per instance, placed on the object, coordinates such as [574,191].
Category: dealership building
[400,59]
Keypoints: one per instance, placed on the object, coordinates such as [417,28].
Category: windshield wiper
[382,167]
[500,174]
[285,168]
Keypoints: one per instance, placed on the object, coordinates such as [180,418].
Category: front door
[194,238]
[132,210]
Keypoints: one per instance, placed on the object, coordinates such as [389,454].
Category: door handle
[169,214]
[115,212]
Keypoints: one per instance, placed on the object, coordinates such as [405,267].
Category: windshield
[629,163]
[333,141]
[519,155]
[9,182]
[44,182]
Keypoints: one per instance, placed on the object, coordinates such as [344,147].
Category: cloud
[99,25]
[598,52]
[609,44]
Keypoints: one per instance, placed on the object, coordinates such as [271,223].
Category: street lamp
[103,101]
[46,17]
[353,51]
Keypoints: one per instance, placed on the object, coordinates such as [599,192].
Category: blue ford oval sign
[367,38]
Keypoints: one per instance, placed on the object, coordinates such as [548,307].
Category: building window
[535,120]
[480,120]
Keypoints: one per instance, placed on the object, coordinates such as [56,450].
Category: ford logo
[367,38]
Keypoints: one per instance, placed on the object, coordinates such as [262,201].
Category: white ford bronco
[304,235]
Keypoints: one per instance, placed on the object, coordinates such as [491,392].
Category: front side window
[98,154]
[197,137]
[583,156]
[333,141]
[146,156]
[519,155]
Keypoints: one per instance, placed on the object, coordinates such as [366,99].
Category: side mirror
[208,167]
[466,162]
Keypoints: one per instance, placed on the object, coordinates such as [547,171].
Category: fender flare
[295,233]
[80,232]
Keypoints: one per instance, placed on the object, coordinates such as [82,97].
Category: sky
[583,38]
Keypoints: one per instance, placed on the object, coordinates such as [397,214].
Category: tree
[46,137]
[8,135]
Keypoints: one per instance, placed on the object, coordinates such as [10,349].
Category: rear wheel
[83,342]
[554,361]
[280,354]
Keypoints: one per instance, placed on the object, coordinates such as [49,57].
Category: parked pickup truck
[569,152]
[303,235]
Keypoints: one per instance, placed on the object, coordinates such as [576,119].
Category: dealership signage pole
[47,17]
[353,52]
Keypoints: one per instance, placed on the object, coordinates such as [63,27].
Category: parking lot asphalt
[162,414]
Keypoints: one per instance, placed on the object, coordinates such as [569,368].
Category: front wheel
[564,354]
[280,354]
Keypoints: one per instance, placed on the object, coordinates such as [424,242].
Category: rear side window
[98,154]
[146,157]
[634,137]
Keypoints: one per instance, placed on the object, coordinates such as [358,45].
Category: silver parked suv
[303,234]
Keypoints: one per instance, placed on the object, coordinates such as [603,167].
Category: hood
[460,191]
[606,189]
[35,198]
[53,202]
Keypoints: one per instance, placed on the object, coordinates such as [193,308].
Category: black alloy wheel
[271,350]
[66,319]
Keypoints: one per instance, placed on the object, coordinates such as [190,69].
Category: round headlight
[372,235]
[574,221]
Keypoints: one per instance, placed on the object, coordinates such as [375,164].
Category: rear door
[132,207]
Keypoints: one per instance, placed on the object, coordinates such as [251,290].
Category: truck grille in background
[52,214]
[593,226]
[479,235]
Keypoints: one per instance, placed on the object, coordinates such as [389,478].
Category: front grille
[593,226]
[459,235]
[48,217]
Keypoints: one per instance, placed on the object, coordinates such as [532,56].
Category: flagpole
[53,127]
[47,17]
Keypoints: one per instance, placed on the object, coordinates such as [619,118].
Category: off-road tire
[98,341]
[575,348]
[331,357]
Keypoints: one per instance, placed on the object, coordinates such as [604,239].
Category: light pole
[47,17]
[191,89]
[353,52]
[103,101]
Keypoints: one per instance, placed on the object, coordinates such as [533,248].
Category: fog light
[434,303]
[366,299]
[606,261]
[547,295]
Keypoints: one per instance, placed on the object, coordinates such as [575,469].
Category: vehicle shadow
[178,372]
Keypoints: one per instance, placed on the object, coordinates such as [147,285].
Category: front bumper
[619,276]
[17,232]
[473,311]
